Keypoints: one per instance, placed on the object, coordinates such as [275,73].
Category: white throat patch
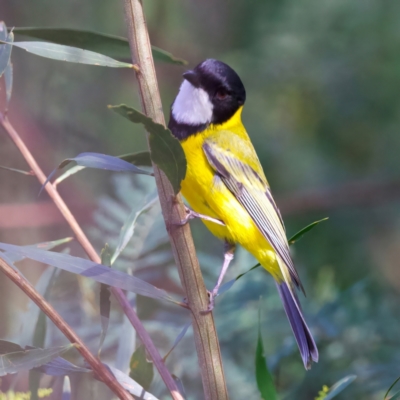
[192,106]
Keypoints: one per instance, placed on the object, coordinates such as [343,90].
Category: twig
[99,369]
[205,334]
[91,252]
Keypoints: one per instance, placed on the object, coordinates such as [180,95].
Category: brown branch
[91,252]
[98,367]
[205,334]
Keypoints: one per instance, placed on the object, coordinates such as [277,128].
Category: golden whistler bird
[226,186]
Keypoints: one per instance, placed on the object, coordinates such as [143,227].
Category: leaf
[264,379]
[130,385]
[17,170]
[178,339]
[98,161]
[165,150]
[70,54]
[8,79]
[129,228]
[98,272]
[105,302]
[390,388]
[5,50]
[301,232]
[339,386]
[12,363]
[180,386]
[140,369]
[60,367]
[142,158]
[9,347]
[226,286]
[110,45]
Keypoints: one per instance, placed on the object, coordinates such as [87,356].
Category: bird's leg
[229,250]
[190,214]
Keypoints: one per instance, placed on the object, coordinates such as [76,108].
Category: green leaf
[142,158]
[5,48]
[14,362]
[105,302]
[264,379]
[70,54]
[39,334]
[165,150]
[141,370]
[130,385]
[390,388]
[303,231]
[110,45]
[129,228]
[338,387]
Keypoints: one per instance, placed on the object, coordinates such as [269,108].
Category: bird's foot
[190,214]
[211,300]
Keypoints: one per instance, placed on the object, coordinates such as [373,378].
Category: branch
[91,252]
[205,334]
[98,367]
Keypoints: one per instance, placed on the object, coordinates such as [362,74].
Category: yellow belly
[207,195]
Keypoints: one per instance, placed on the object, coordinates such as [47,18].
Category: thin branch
[99,369]
[205,334]
[91,252]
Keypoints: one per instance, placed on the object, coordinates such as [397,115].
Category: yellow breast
[207,195]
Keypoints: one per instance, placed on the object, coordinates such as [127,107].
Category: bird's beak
[192,77]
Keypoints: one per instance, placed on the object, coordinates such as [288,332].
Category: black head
[211,94]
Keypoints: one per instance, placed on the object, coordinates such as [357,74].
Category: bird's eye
[221,94]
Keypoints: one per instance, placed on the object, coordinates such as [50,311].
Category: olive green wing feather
[236,163]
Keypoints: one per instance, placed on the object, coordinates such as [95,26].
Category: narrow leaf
[98,272]
[180,386]
[264,379]
[110,45]
[98,161]
[308,228]
[165,150]
[15,257]
[105,302]
[142,158]
[5,50]
[60,367]
[391,387]
[226,286]
[67,174]
[8,78]
[129,228]
[25,360]
[130,385]
[70,54]
[140,369]
[17,170]
[178,339]
[339,386]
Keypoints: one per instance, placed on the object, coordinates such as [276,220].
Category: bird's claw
[211,301]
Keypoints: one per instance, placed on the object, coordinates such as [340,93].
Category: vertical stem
[205,334]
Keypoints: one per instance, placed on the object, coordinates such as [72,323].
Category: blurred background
[323,111]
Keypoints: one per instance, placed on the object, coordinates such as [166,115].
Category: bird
[226,187]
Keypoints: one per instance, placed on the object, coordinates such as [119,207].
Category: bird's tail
[304,339]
